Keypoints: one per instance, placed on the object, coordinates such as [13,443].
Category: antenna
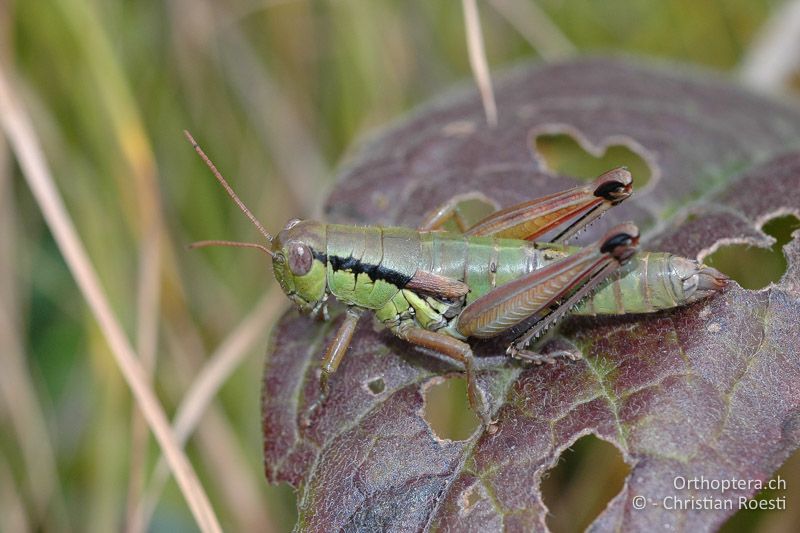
[233,244]
[235,198]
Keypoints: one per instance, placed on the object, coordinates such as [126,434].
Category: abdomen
[644,285]
[483,263]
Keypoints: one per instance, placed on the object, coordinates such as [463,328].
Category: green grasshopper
[435,289]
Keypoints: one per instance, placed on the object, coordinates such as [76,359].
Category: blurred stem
[772,57]
[536,27]
[106,440]
[16,387]
[477,60]
[146,343]
[12,509]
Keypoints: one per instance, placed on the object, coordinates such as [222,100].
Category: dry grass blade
[12,509]
[27,419]
[211,377]
[16,386]
[536,27]
[25,144]
[773,55]
[477,60]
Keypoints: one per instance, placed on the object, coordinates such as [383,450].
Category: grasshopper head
[298,252]
[299,262]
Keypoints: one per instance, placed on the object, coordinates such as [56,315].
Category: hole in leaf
[470,498]
[470,209]
[376,386]
[447,409]
[586,478]
[774,519]
[754,267]
[562,154]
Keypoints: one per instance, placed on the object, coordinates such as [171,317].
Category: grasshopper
[436,289]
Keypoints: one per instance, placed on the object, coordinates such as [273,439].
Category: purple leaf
[709,389]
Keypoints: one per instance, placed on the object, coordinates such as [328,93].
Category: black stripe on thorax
[375,272]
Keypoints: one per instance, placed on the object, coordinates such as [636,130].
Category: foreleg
[333,356]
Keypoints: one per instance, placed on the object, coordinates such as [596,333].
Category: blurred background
[277,92]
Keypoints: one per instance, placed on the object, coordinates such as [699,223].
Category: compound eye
[300,259]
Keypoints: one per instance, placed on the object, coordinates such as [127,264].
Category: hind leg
[559,215]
